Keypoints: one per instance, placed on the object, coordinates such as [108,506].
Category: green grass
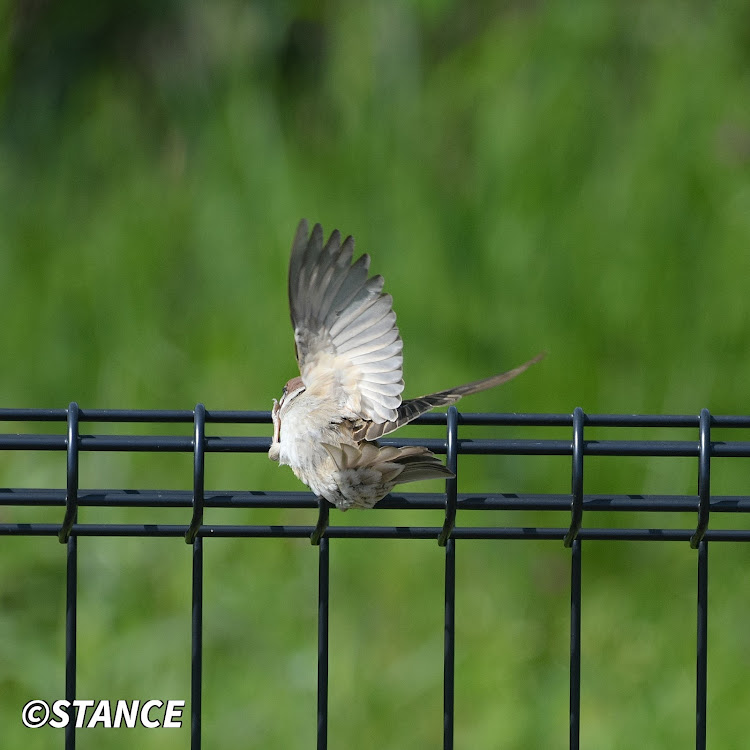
[565,176]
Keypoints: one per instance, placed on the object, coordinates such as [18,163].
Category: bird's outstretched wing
[413,407]
[347,343]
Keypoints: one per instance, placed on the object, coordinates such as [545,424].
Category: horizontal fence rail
[65,502]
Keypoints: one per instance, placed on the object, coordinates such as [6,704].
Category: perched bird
[348,393]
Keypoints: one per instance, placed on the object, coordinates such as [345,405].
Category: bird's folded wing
[347,342]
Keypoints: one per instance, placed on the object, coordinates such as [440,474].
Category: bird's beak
[273,452]
[276,421]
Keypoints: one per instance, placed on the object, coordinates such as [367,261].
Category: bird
[348,393]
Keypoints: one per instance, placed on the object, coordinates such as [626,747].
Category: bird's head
[291,390]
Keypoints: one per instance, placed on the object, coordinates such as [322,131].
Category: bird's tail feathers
[409,463]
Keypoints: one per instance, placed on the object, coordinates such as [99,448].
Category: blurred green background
[569,176]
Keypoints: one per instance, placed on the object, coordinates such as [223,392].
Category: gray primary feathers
[344,326]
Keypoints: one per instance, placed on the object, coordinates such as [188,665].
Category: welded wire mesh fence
[64,504]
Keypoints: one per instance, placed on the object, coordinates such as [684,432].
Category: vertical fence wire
[319,539]
[572,540]
[196,661]
[702,648]
[192,537]
[71,607]
[698,541]
[71,569]
[575,645]
[323,585]
[445,538]
[449,644]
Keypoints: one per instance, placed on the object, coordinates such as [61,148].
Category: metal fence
[69,500]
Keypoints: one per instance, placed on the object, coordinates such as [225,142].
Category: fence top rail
[184,416]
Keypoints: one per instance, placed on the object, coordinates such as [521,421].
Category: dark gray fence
[70,499]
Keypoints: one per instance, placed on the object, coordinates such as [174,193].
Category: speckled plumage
[349,389]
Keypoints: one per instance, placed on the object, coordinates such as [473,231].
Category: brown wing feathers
[414,407]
